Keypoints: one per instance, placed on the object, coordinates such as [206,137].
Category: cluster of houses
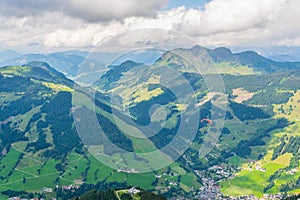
[259,168]
[171,183]
[128,170]
[209,190]
[70,187]
[222,172]
[133,190]
[293,171]
[47,189]
[273,196]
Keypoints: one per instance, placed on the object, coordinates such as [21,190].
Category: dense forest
[111,195]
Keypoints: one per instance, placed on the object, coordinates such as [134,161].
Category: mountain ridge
[42,123]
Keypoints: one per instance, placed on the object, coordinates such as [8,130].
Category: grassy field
[142,180]
[57,87]
[236,160]
[26,117]
[15,70]
[27,178]
[5,97]
[229,68]
[75,170]
[144,94]
[189,180]
[8,163]
[98,171]
[32,176]
[253,178]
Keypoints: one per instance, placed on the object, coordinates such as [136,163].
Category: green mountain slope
[255,136]
[40,146]
[252,60]
[48,135]
[243,63]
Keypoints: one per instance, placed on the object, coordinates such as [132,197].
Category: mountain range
[48,137]
[70,62]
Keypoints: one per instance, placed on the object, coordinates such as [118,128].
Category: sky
[49,25]
[187,3]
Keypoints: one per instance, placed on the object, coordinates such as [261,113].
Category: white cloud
[98,10]
[243,22]
[220,23]
[230,16]
[93,33]
[87,10]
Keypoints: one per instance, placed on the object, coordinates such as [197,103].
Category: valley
[50,148]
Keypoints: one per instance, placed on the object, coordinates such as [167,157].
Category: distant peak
[197,47]
[223,50]
[129,63]
[249,52]
[8,54]
[44,66]
[38,64]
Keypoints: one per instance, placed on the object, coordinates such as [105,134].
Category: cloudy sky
[48,25]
